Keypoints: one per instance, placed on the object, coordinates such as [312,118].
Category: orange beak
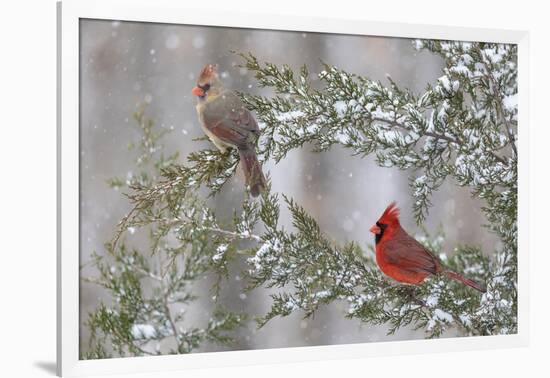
[375,230]
[197,92]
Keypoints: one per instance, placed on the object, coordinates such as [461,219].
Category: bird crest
[207,72]
[390,215]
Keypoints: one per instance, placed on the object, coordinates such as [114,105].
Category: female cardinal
[228,123]
[402,258]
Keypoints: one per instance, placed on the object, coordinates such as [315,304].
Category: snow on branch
[463,126]
[310,271]
[152,288]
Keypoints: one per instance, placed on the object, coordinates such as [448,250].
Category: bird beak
[197,92]
[375,230]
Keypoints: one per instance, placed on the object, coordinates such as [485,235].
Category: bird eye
[205,87]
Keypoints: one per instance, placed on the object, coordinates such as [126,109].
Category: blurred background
[125,65]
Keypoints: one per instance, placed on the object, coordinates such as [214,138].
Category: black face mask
[204,88]
[378,236]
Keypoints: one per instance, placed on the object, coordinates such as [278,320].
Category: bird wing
[228,119]
[408,254]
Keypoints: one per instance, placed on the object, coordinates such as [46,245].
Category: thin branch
[232,234]
[141,350]
[139,201]
[168,314]
[236,235]
[150,275]
[507,126]
[449,139]
[121,226]
[499,106]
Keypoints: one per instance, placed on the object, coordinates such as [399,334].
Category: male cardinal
[228,123]
[402,258]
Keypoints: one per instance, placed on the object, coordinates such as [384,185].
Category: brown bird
[402,258]
[229,124]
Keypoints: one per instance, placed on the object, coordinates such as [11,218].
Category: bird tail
[465,281]
[252,169]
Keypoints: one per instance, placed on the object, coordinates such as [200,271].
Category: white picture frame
[173,11]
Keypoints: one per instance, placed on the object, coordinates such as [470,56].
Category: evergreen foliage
[462,128]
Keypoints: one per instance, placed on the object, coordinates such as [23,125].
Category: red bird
[402,258]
